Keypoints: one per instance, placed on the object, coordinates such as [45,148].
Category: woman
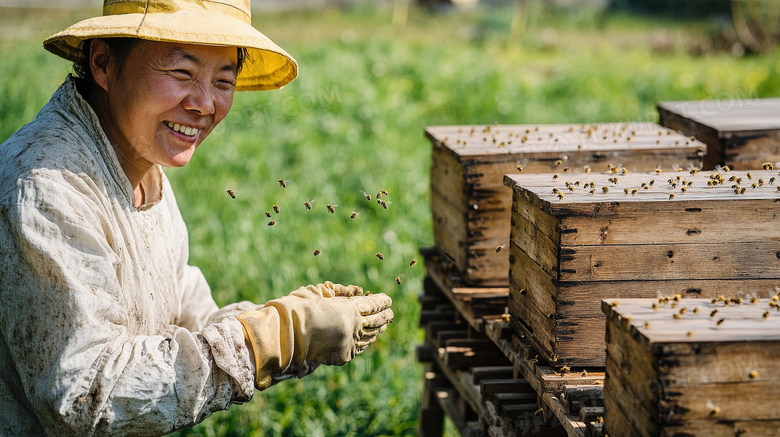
[105,328]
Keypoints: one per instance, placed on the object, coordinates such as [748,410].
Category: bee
[276,209]
[317,252]
[771,180]
[354,215]
[587,169]
[714,410]
[694,171]
[555,176]
[584,373]
[683,311]
[614,180]
[605,189]
[720,322]
[658,171]
[753,300]
[566,170]
[684,189]
[696,310]
[367,196]
[519,167]
[766,314]
[624,171]
[380,256]
[676,316]
[655,307]
[307,205]
[412,263]
[231,193]
[282,183]
[749,176]
[272,223]
[625,190]
[268,214]
[647,325]
[378,196]
[760,182]
[565,369]
[398,279]
[592,192]
[384,204]
[558,162]
[384,193]
[613,304]
[768,166]
[671,196]
[500,249]
[331,208]
[555,190]
[560,196]
[690,334]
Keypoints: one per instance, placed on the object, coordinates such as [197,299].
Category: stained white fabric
[105,328]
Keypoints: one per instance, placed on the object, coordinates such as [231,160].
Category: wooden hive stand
[742,133]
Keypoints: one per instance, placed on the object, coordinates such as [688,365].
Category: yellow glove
[323,324]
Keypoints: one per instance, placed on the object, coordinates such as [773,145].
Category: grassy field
[353,123]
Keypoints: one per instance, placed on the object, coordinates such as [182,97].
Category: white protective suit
[104,327]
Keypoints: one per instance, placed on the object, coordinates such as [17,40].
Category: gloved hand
[323,324]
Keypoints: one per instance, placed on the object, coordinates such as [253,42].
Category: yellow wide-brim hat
[207,22]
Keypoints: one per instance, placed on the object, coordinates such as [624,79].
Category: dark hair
[120,49]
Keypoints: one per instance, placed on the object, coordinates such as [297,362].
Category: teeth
[186,130]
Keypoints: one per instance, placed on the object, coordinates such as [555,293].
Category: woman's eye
[182,73]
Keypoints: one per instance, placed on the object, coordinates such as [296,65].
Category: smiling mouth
[186,130]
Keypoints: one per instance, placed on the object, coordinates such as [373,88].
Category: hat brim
[267,66]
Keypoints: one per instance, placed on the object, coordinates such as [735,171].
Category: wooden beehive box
[679,371]
[567,254]
[740,133]
[471,206]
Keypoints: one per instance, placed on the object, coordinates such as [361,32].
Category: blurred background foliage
[372,78]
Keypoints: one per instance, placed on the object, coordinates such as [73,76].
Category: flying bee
[354,215]
[317,252]
[276,209]
[380,256]
[384,204]
[282,183]
[367,196]
[521,165]
[272,223]
[268,214]
[412,263]
[231,193]
[587,169]
[398,279]
[331,208]
[501,248]
[754,374]
[658,171]
[768,166]
[307,204]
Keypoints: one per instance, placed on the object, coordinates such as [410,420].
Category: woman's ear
[99,57]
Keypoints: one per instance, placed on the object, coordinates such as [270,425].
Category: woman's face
[166,98]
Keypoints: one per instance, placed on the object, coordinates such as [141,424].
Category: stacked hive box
[470,205]
[740,133]
[692,367]
[581,238]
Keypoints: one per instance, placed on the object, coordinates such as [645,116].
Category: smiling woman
[104,327]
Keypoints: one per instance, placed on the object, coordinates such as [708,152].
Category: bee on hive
[768,166]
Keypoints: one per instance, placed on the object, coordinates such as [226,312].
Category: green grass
[353,122]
